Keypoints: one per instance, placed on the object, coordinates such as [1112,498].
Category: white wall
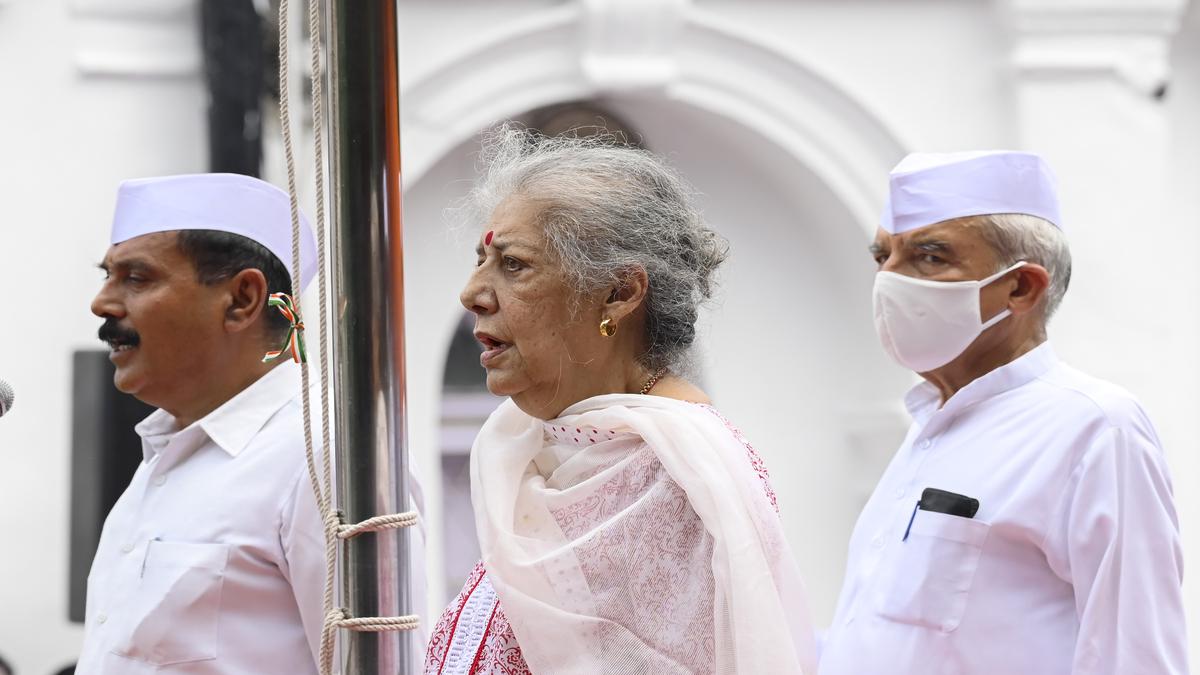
[894,58]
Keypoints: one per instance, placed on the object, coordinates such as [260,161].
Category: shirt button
[126,548]
[101,618]
[877,542]
[160,480]
[926,443]
[899,493]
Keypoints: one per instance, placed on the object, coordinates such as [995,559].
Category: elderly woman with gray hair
[625,526]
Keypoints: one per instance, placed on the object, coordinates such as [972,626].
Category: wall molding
[702,62]
[630,44]
[136,38]
[1127,40]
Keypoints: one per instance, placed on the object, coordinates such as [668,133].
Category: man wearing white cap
[212,561]
[1026,524]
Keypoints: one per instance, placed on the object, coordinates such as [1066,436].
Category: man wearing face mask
[1026,524]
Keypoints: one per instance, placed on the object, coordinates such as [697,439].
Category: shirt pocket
[933,571]
[172,615]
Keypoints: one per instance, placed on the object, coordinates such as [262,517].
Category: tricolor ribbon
[293,344]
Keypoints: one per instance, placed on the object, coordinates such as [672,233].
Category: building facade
[786,115]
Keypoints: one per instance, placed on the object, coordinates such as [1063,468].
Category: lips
[493,348]
[121,350]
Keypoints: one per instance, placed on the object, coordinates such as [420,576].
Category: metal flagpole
[372,466]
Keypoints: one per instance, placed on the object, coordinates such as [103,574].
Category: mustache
[115,334]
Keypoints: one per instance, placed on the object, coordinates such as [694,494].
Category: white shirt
[213,560]
[1072,564]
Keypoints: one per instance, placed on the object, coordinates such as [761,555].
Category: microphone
[6,397]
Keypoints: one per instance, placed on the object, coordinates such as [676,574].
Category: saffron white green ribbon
[293,344]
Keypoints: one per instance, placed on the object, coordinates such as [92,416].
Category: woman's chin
[500,383]
[533,401]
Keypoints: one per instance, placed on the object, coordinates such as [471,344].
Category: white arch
[544,59]
[551,57]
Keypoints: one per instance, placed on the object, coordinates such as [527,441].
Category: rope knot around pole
[339,617]
[336,526]
[378,524]
[379,624]
[333,522]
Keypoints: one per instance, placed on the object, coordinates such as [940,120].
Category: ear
[1032,282]
[247,299]
[624,299]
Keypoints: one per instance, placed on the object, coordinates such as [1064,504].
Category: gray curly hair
[607,209]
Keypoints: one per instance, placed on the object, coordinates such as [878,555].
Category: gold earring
[608,328]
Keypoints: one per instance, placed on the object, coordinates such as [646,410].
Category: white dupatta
[588,530]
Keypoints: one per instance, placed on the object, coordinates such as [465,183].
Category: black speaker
[105,451]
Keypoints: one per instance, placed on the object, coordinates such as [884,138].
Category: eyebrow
[132,263]
[500,244]
[935,245]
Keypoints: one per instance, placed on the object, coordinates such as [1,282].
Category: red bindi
[487,238]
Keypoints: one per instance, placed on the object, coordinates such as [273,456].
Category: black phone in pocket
[941,501]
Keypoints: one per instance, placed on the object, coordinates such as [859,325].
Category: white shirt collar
[922,400]
[234,423]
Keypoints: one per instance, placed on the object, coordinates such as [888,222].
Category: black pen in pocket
[942,501]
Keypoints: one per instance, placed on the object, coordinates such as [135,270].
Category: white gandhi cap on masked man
[924,324]
[226,202]
[927,188]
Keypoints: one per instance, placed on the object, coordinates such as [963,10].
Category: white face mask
[925,324]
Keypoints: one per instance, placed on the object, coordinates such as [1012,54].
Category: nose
[106,304]
[478,296]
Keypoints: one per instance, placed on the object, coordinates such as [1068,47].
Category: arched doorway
[788,350]
[792,169]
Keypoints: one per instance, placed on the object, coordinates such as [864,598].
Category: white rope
[335,529]
[378,524]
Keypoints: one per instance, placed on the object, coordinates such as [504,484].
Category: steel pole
[372,471]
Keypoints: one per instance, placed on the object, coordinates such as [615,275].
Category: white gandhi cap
[227,202]
[927,188]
